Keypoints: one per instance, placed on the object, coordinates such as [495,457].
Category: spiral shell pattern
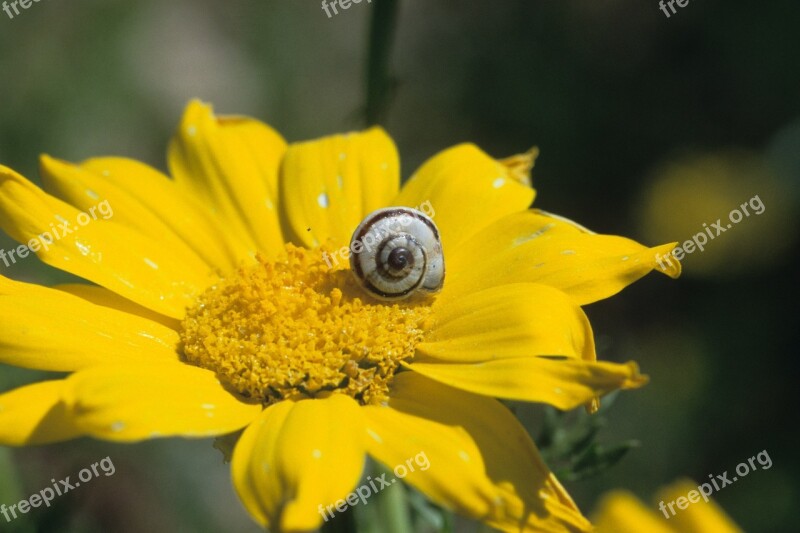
[396,252]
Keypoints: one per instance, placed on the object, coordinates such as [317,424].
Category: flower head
[214,307]
[621,512]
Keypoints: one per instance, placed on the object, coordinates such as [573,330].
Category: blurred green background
[648,127]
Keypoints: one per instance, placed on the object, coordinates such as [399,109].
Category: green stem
[396,505]
[379,79]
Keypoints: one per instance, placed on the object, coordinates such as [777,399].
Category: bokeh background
[648,126]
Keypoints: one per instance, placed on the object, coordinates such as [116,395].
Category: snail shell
[396,252]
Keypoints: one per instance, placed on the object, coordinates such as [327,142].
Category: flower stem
[380,84]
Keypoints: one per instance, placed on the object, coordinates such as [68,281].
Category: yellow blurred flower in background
[622,512]
[688,194]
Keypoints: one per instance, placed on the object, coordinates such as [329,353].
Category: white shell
[395,252]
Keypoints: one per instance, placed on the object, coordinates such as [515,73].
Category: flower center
[294,328]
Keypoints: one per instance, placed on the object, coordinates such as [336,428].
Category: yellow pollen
[293,329]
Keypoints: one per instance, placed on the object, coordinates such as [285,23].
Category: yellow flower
[204,320]
[622,512]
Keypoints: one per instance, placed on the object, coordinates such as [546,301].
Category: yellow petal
[34,415]
[470,455]
[514,320]
[108,254]
[622,512]
[105,298]
[698,516]
[135,402]
[48,329]
[562,383]
[297,459]
[329,185]
[526,320]
[520,165]
[231,163]
[198,227]
[534,247]
[92,194]
[468,190]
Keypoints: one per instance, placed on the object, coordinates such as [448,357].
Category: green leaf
[598,458]
[568,442]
